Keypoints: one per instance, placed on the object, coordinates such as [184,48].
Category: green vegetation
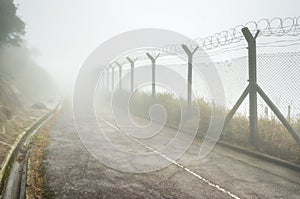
[37,186]
[22,81]
[12,28]
[9,94]
[274,139]
[9,101]
[33,82]
[141,102]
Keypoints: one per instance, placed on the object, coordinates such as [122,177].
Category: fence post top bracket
[111,66]
[153,59]
[248,36]
[131,60]
[188,51]
[120,65]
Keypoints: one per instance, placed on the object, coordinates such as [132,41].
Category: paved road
[72,172]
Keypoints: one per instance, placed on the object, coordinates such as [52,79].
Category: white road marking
[173,161]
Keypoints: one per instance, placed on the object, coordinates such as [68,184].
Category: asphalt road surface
[73,172]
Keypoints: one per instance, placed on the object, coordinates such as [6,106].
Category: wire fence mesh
[278,72]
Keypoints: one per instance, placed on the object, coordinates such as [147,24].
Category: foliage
[11,26]
[37,186]
[11,30]
[34,83]
[141,102]
[274,139]
[9,100]
[9,94]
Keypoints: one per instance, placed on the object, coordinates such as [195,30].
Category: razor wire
[277,27]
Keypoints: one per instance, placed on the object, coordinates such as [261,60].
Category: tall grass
[9,94]
[140,104]
[9,100]
[274,139]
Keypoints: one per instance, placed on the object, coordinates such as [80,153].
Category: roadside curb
[7,163]
[262,156]
[243,150]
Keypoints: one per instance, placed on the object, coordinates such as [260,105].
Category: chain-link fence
[277,69]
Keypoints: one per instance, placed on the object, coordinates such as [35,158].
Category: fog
[19,66]
[66,32]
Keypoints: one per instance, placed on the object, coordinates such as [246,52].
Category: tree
[12,28]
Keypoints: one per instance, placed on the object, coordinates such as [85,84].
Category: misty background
[61,34]
[33,81]
[66,32]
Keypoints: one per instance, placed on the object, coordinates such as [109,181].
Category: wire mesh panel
[276,43]
[234,75]
[278,75]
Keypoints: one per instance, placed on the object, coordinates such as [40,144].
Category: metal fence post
[289,113]
[103,79]
[253,138]
[153,60]
[131,61]
[267,112]
[253,88]
[107,79]
[190,76]
[120,75]
[112,78]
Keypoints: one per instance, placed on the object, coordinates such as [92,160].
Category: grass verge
[274,139]
[36,186]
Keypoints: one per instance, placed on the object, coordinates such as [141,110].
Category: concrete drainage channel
[14,170]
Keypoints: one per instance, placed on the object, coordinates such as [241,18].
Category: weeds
[274,139]
[36,184]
